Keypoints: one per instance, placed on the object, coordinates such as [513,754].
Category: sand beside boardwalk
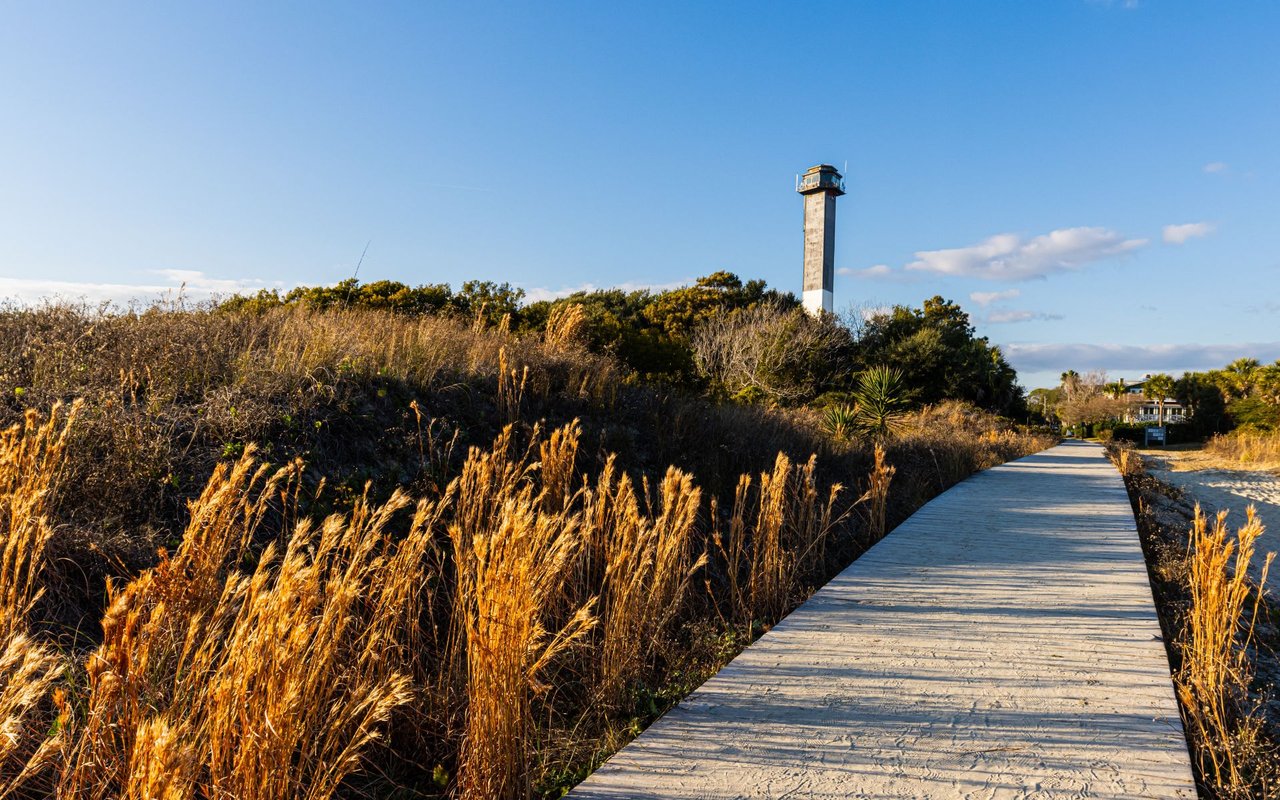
[1217,488]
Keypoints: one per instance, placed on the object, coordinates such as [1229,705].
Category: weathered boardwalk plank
[1000,643]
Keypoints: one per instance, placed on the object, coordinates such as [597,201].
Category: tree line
[1243,394]
[734,339]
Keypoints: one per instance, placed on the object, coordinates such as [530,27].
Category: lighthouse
[820,185]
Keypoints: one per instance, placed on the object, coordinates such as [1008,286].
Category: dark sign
[1155,434]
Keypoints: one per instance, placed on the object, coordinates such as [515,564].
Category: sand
[1218,488]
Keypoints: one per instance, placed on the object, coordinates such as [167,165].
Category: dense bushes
[935,349]
[736,339]
[1244,394]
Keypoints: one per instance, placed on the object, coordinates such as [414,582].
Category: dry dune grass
[1221,643]
[31,730]
[774,539]
[531,611]
[229,672]
[1214,681]
[1246,448]
[216,680]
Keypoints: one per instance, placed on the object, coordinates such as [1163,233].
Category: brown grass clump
[1222,646]
[31,465]
[775,539]
[877,494]
[510,560]
[1246,447]
[29,673]
[1213,683]
[32,457]
[566,326]
[1127,459]
[269,683]
[649,560]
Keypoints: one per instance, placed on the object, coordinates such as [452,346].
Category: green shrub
[1178,433]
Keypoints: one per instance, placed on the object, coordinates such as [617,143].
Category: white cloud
[987,298]
[1179,234]
[1010,315]
[1215,167]
[190,285]
[539,293]
[1007,257]
[877,271]
[1137,358]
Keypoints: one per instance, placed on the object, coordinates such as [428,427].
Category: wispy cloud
[537,294]
[985,299]
[190,284]
[1007,257]
[877,271]
[1006,316]
[1145,358]
[1214,167]
[1179,234]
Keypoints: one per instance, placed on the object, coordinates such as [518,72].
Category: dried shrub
[1213,683]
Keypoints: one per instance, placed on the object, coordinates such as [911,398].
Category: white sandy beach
[1233,490]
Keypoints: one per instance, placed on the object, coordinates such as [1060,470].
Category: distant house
[1144,409]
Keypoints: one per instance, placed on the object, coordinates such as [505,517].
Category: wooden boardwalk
[1001,643]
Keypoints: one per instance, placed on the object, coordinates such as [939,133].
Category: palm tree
[1158,388]
[1114,389]
[1070,381]
[1240,374]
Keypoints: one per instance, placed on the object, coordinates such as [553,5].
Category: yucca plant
[882,400]
[841,421]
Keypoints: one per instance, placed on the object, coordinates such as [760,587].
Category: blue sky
[1096,182]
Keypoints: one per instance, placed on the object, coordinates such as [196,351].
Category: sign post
[1155,434]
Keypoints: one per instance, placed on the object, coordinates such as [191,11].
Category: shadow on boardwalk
[1000,643]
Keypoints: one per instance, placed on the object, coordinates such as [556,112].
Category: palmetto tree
[1158,388]
[1115,389]
[1240,374]
[1070,381]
